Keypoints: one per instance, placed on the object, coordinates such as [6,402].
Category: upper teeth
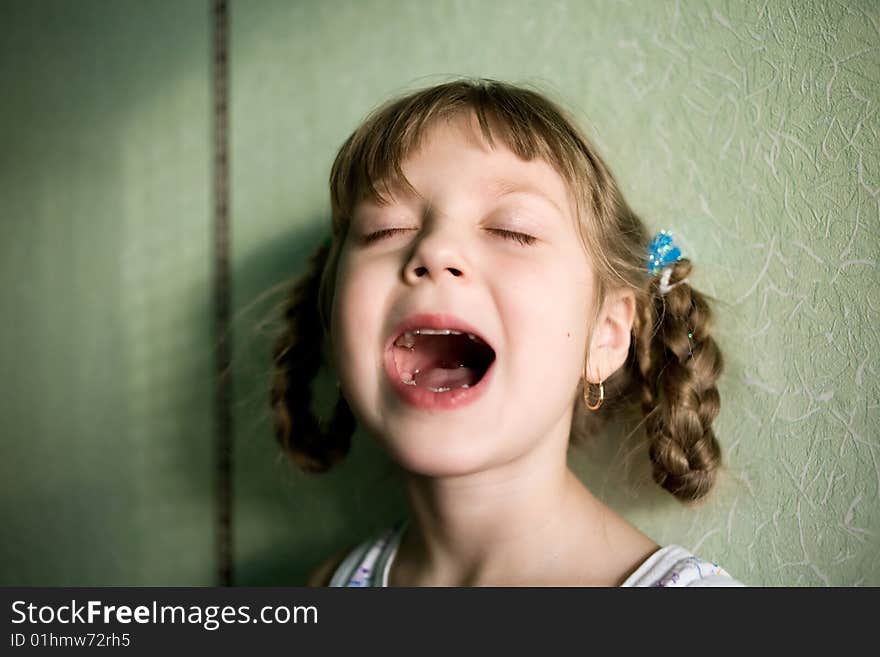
[407,339]
[437,332]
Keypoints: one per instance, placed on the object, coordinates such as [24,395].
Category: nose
[436,256]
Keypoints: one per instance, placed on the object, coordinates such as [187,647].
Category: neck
[520,517]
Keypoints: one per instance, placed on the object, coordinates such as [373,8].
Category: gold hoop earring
[587,385]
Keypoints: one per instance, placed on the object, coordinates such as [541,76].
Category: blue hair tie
[662,251]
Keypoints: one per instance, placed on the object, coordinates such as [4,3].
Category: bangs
[369,166]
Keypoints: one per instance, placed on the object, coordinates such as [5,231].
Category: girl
[484,278]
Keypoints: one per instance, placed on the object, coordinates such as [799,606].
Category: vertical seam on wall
[222,334]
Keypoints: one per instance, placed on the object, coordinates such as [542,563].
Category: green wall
[106,393]
[749,128]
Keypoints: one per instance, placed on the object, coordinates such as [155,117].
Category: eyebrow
[504,187]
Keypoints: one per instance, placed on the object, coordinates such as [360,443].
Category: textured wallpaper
[750,129]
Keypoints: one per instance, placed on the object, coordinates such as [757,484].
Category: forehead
[454,156]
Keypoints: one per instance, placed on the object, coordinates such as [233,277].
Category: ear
[612,335]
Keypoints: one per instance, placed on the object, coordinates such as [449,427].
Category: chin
[438,456]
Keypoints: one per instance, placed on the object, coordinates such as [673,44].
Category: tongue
[440,377]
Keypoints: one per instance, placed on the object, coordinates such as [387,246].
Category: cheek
[356,319]
[345,307]
[549,311]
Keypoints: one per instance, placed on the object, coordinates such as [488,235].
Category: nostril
[421,271]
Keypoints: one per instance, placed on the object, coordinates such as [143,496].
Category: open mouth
[441,360]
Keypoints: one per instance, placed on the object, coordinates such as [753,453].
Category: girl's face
[490,243]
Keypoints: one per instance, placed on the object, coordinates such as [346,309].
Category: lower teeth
[461,387]
[411,381]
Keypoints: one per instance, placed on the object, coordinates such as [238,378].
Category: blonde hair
[674,363]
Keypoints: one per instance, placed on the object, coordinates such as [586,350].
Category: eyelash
[514,236]
[522,238]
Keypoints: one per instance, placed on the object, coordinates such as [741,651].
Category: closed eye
[522,238]
[379,234]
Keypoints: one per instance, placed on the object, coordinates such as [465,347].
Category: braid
[297,359]
[679,396]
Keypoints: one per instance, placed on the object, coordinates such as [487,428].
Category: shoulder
[321,574]
[674,566]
